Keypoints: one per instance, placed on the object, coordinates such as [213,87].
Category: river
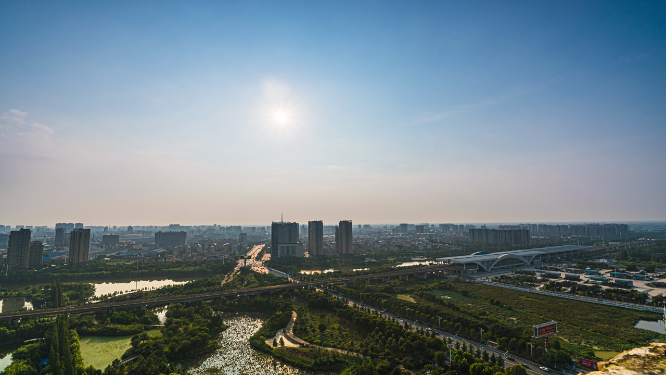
[237,357]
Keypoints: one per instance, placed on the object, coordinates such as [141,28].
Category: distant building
[284,240]
[61,237]
[403,228]
[518,237]
[68,226]
[346,238]
[78,226]
[242,240]
[337,239]
[316,238]
[420,229]
[110,241]
[130,229]
[36,254]
[79,246]
[4,239]
[170,239]
[18,249]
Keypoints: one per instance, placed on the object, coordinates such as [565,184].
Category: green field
[100,351]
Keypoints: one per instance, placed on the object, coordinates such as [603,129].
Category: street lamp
[439,324]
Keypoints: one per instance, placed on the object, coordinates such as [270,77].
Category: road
[532,368]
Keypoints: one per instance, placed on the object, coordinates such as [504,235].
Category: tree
[515,370]
[20,368]
[500,361]
[275,343]
[477,369]
[440,359]
[281,341]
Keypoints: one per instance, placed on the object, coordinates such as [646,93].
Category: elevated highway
[420,272]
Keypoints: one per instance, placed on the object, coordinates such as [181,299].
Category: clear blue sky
[165,112]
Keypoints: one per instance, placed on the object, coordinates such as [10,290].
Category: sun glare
[280,117]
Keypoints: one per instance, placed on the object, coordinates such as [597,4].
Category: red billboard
[588,363]
[545,329]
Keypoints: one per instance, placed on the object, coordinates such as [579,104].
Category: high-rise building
[18,249]
[170,239]
[130,229]
[61,237]
[517,237]
[316,238]
[337,239]
[242,239]
[79,246]
[68,226]
[4,240]
[284,240]
[420,229]
[78,226]
[346,238]
[36,254]
[403,228]
[110,241]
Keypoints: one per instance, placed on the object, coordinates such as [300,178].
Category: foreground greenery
[507,316]
[61,349]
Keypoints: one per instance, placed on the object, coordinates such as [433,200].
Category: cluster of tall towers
[285,241]
[22,253]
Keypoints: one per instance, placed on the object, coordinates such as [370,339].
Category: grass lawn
[405,297]
[100,351]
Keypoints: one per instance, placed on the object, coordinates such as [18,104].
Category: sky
[212,112]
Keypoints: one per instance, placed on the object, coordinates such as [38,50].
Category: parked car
[546,369]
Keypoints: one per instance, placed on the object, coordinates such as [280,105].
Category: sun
[280,117]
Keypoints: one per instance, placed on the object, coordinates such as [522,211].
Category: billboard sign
[588,363]
[546,329]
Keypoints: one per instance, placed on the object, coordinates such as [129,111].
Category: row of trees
[104,270]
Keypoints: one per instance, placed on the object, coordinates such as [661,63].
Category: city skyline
[231,113]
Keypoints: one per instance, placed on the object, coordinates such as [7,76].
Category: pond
[654,326]
[237,357]
[6,355]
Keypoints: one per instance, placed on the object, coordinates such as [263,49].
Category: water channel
[237,357]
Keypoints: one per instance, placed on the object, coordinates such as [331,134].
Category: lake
[129,286]
[654,326]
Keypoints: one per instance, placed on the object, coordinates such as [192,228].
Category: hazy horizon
[231,113]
